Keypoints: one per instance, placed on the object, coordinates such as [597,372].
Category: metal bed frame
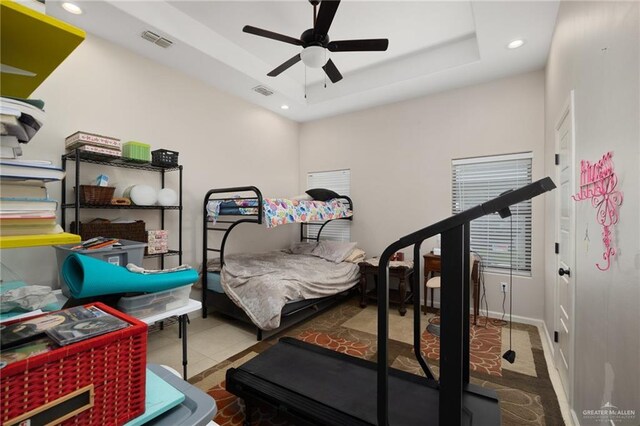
[293,312]
[321,386]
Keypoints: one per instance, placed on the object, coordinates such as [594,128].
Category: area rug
[524,388]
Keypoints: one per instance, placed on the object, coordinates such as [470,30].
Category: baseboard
[548,338]
[498,315]
[574,417]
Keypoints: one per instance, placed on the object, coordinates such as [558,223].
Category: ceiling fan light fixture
[314,56]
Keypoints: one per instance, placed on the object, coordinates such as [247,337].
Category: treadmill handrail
[492,206]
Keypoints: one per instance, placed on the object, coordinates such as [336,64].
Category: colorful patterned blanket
[280,211]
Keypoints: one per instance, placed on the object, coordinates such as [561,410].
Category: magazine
[30,329]
[68,333]
[33,328]
[18,353]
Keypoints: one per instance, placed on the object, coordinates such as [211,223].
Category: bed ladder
[223,225]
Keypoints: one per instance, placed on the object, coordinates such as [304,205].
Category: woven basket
[113,363]
[96,195]
[134,231]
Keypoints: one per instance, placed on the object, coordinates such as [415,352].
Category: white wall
[400,160]
[222,140]
[595,51]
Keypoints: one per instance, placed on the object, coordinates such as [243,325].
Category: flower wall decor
[598,182]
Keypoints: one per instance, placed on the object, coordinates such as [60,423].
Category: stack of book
[25,207]
[20,120]
[97,145]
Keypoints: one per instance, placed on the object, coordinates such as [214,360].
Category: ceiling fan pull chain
[325,74]
[305,82]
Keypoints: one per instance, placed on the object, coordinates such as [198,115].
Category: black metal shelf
[169,253]
[79,157]
[113,206]
[118,162]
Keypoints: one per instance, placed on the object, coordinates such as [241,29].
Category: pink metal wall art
[598,183]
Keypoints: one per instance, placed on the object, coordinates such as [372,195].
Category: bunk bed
[223,210]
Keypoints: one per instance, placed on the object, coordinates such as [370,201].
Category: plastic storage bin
[197,409]
[137,151]
[128,252]
[164,158]
[155,303]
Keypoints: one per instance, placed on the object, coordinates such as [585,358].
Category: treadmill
[320,386]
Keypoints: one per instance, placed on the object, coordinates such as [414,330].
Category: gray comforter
[261,284]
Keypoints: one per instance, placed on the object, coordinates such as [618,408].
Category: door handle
[566,272]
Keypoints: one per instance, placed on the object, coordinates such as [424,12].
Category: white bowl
[167,197]
[143,195]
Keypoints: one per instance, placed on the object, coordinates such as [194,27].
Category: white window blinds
[340,182]
[476,180]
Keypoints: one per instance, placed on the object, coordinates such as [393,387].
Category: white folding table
[183,319]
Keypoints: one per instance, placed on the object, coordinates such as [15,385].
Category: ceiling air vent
[156,39]
[163,42]
[149,36]
[263,90]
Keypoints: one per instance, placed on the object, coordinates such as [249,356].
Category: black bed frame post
[205,238]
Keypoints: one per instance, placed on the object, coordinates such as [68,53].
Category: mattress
[263,283]
[213,282]
[280,211]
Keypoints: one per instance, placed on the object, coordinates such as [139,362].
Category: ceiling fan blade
[284,66]
[370,45]
[270,34]
[332,72]
[326,13]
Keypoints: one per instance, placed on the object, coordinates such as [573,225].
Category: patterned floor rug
[524,389]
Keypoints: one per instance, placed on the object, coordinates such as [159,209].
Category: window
[476,180]
[340,182]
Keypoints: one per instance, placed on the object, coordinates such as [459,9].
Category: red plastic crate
[115,363]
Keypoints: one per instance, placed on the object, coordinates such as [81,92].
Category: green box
[136,151]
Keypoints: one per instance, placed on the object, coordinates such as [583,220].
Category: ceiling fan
[315,42]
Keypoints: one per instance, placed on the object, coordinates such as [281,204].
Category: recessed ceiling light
[72,8]
[284,106]
[516,43]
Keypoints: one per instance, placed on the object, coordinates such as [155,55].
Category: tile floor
[209,340]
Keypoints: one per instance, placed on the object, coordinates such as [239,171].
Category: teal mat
[90,277]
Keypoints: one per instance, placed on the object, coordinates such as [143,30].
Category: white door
[565,214]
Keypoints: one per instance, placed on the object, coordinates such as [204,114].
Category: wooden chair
[434,282]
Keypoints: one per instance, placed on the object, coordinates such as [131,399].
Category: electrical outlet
[504,288]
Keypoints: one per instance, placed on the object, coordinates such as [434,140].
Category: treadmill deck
[325,387]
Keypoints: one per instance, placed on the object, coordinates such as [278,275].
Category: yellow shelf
[34,42]
[38,240]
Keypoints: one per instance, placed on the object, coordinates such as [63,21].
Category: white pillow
[334,251]
[303,247]
[356,256]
